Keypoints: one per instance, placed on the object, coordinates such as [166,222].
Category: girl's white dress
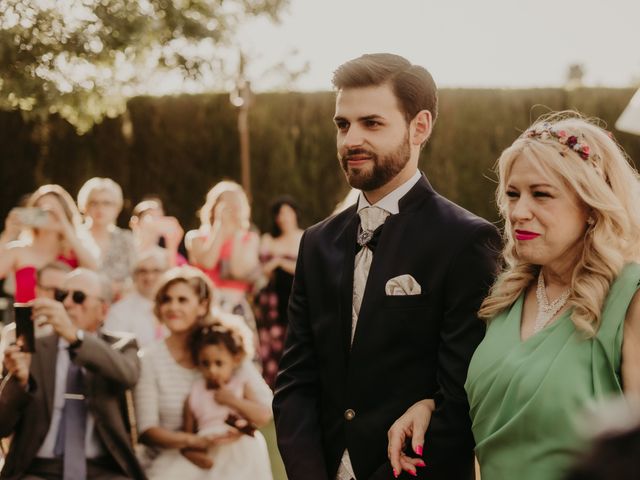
[244,459]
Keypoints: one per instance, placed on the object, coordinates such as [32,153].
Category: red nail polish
[395,473]
[419,449]
[421,464]
[412,473]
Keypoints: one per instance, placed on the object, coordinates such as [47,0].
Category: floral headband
[546,130]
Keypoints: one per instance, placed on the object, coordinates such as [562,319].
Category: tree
[81,59]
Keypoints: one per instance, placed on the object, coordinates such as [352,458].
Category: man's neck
[374,196]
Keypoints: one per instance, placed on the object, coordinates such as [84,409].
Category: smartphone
[32,216]
[25,331]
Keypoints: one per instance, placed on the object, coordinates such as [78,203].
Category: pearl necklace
[547,311]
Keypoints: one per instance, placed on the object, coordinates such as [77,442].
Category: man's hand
[414,424]
[17,363]
[53,313]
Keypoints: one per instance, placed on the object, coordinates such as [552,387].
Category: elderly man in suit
[64,403]
[382,313]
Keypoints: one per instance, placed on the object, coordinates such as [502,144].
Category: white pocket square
[403,285]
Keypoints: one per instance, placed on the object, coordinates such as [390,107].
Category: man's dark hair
[412,85]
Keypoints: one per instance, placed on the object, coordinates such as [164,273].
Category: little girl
[230,392]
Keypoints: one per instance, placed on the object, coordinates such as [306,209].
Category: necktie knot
[371,221]
[372,217]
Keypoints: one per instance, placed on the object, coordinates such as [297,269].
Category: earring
[591,221]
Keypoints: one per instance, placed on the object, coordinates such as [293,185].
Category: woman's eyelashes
[534,193]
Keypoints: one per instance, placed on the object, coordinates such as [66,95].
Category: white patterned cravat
[370,219]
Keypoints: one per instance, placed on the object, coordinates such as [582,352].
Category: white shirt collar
[390,201]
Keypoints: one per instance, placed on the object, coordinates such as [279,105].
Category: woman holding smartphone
[47,230]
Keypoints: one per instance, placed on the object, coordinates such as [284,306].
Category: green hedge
[182,145]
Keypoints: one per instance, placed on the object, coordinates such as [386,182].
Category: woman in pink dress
[51,234]
[226,249]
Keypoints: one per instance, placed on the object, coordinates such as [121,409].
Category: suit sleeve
[117,362]
[295,403]
[469,278]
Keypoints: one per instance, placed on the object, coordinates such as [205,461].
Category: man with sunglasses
[49,278]
[64,404]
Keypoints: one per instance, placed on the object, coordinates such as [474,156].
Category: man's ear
[422,124]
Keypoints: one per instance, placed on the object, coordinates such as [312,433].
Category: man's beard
[384,169]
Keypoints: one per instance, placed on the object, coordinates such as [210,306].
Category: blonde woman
[226,249]
[100,200]
[564,315]
[54,237]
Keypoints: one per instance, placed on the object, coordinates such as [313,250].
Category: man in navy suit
[382,313]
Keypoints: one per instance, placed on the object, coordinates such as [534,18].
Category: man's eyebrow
[360,119]
[371,117]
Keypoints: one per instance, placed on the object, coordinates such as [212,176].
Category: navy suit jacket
[405,348]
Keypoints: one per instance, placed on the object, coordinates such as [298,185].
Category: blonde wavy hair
[207,211]
[607,185]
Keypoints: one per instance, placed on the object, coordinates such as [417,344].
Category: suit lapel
[48,357]
[346,242]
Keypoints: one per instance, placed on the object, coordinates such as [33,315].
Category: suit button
[349,414]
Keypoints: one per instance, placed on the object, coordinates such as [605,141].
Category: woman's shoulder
[155,351]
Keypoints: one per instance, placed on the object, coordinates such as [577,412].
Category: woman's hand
[199,458]
[61,223]
[413,424]
[224,439]
[12,227]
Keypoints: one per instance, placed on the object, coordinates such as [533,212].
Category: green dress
[526,397]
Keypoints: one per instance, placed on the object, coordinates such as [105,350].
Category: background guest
[49,280]
[152,228]
[134,312]
[182,303]
[226,249]
[230,391]
[278,254]
[52,235]
[100,200]
[63,403]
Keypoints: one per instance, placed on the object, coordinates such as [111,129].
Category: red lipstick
[526,235]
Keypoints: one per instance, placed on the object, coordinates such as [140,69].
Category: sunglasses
[78,296]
